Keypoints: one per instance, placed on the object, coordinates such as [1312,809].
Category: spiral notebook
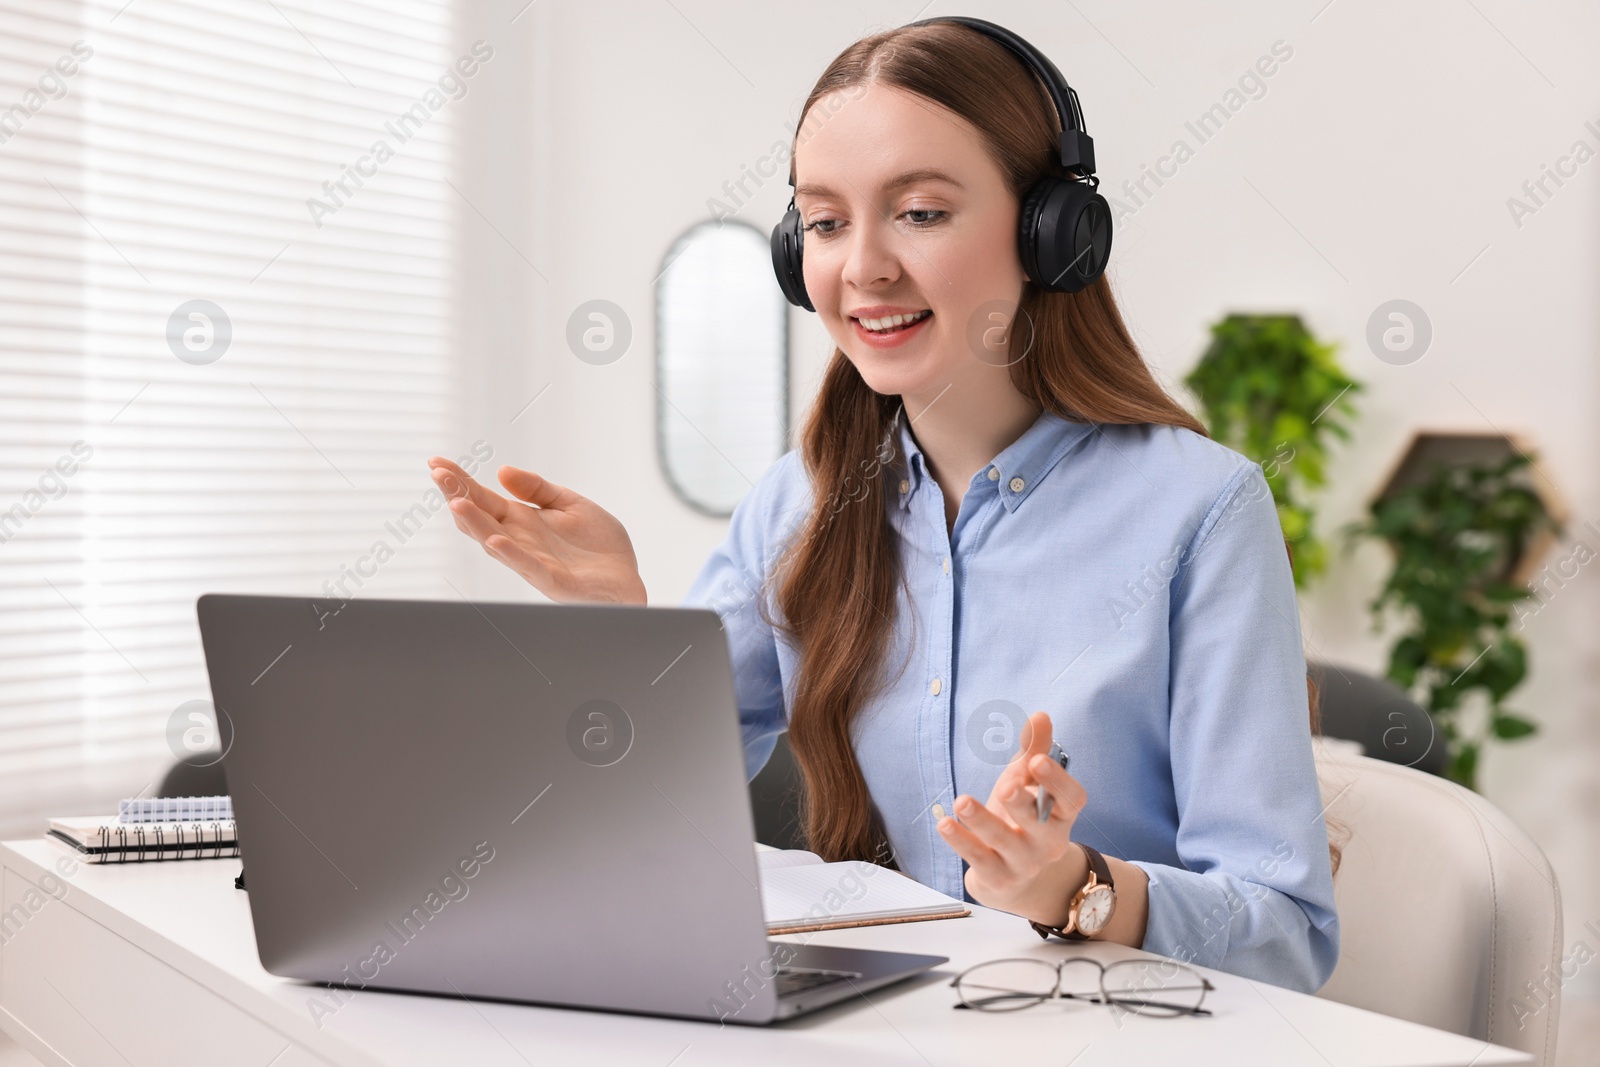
[160,828]
[175,809]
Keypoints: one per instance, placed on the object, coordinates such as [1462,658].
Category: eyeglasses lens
[1154,987]
[1007,985]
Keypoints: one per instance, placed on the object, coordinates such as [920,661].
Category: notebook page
[853,890]
[785,857]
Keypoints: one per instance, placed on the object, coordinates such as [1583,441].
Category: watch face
[1095,910]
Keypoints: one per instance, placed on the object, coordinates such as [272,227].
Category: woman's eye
[824,223]
[935,216]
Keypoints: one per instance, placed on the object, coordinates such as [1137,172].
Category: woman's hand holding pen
[1015,862]
[564,545]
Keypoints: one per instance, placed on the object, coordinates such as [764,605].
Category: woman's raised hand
[1015,862]
[565,545]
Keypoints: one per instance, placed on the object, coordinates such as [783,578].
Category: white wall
[1377,165]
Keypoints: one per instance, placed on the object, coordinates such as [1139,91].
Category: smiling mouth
[893,323]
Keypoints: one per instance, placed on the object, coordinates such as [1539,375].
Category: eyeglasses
[1144,987]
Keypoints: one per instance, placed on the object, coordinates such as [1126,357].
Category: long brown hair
[838,577]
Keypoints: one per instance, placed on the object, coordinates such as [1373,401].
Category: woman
[980,520]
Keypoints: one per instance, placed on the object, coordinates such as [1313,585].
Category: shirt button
[905,485]
[1016,485]
[994,474]
[947,564]
[935,687]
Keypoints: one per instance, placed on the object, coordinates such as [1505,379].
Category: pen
[1043,800]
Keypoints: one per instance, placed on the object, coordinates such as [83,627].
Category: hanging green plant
[1458,537]
[1271,391]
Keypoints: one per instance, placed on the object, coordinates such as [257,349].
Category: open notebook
[800,893]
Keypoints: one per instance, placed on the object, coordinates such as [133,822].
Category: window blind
[226,324]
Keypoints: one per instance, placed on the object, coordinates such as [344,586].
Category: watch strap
[1098,864]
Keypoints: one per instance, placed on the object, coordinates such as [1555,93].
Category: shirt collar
[1018,469]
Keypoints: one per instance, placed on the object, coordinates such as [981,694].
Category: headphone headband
[1077,147]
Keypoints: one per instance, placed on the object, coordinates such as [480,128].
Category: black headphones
[1064,230]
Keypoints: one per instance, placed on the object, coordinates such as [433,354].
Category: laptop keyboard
[792,980]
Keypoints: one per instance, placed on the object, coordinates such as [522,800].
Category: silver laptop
[529,802]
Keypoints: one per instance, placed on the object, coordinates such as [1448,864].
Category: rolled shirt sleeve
[1254,895]
[730,584]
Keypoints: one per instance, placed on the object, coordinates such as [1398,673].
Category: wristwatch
[1092,905]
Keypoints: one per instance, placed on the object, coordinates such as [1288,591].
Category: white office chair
[1449,915]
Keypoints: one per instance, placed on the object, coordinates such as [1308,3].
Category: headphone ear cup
[1028,225]
[788,241]
[1064,234]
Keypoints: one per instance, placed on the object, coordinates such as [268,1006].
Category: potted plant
[1271,391]
[1461,535]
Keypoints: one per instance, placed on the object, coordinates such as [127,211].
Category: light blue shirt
[1131,581]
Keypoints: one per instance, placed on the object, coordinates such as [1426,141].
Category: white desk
[149,964]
